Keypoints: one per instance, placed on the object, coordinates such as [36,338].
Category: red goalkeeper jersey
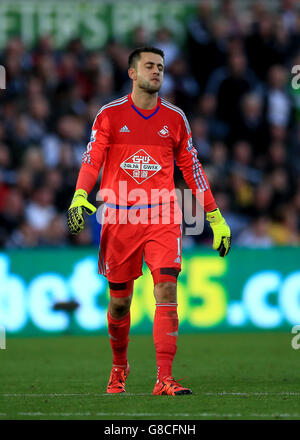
[137,149]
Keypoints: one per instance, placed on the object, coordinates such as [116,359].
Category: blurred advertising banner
[248,290]
[95,22]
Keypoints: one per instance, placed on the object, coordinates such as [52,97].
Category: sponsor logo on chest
[140,166]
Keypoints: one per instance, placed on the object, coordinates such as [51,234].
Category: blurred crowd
[232,77]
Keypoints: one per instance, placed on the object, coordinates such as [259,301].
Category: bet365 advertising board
[248,290]
[94,21]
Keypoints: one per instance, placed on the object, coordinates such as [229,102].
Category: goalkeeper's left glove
[221,231]
[78,205]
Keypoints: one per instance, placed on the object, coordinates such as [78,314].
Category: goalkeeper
[136,139]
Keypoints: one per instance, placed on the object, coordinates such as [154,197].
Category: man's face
[149,72]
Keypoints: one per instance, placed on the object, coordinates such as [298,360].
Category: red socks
[165,332]
[118,330]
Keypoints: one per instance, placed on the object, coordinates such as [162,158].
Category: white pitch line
[203,414]
[70,395]
[222,393]
[44,395]
[280,393]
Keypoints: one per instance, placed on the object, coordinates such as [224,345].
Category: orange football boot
[168,386]
[118,376]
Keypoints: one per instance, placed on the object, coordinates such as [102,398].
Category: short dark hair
[136,54]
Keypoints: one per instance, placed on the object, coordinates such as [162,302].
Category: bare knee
[119,307]
[165,292]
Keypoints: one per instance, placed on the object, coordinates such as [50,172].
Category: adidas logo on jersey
[124,129]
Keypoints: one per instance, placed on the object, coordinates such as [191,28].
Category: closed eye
[151,65]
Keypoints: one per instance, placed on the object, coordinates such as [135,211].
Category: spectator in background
[295,148]
[68,68]
[217,169]
[46,69]
[200,137]
[228,10]
[283,41]
[15,66]
[294,41]
[280,181]
[229,84]
[296,204]
[241,163]
[238,222]
[277,157]
[284,229]
[257,235]
[23,237]
[7,173]
[260,47]
[220,44]
[44,46]
[184,85]
[40,211]
[262,200]
[104,90]
[11,214]
[56,232]
[200,43]
[242,193]
[164,40]
[20,138]
[118,55]
[217,129]
[250,124]
[77,49]
[288,11]
[70,134]
[34,88]
[141,36]
[278,102]
[25,182]
[38,118]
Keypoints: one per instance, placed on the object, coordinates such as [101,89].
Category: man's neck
[144,100]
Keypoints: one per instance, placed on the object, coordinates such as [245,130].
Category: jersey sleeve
[187,160]
[93,157]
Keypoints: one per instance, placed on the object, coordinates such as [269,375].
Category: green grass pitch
[233,376]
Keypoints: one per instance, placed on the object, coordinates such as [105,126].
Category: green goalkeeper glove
[78,205]
[221,231]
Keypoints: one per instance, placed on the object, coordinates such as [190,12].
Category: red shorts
[124,246]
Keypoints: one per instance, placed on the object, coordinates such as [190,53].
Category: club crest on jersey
[164,132]
[140,166]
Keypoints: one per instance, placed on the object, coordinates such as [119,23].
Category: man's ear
[132,73]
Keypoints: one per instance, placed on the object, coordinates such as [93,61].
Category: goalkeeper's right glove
[78,205]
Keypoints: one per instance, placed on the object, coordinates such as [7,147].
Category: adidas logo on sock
[124,129]
[173,334]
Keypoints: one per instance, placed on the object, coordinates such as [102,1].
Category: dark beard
[146,86]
